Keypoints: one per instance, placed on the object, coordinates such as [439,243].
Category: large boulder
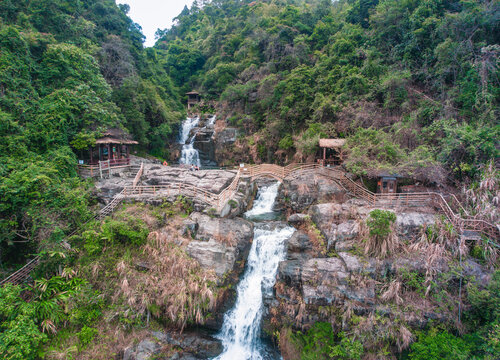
[290,272]
[219,243]
[145,350]
[304,190]
[211,180]
[201,345]
[344,237]
[299,246]
[409,224]
[323,281]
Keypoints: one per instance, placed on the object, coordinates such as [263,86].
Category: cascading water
[240,331]
[262,208]
[211,121]
[189,155]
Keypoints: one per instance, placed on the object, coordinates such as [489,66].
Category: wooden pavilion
[193,99]
[114,145]
[331,152]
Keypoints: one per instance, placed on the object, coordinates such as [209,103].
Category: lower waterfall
[240,333]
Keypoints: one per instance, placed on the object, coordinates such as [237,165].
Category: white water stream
[241,328]
[189,155]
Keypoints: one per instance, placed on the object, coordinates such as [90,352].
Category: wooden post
[109,167]
[100,168]
[324,156]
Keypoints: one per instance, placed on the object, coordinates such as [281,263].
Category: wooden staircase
[464,224]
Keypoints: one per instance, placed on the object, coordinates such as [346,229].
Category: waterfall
[241,327]
[189,155]
[211,121]
[263,205]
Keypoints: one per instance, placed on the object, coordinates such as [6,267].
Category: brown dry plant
[175,288]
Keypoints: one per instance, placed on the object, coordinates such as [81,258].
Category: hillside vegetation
[68,70]
[414,84]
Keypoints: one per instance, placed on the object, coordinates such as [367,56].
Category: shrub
[382,239]
[128,230]
[320,342]
[20,336]
[86,336]
[93,243]
[435,345]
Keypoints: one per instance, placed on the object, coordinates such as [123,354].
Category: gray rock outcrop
[306,189]
[218,242]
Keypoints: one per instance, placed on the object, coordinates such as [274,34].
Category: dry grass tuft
[392,292]
[404,339]
[176,287]
[380,246]
[228,239]
[288,348]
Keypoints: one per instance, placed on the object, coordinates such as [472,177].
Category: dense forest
[69,70]
[413,85]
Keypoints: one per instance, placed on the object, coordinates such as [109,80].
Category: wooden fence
[458,217]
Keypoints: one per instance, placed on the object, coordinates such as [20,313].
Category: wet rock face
[204,143]
[300,193]
[219,243]
[299,246]
[326,281]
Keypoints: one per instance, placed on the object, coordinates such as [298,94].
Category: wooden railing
[20,275]
[172,189]
[461,223]
[138,175]
[102,167]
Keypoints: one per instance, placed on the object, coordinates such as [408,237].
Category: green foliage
[69,69]
[485,303]
[20,337]
[86,336]
[379,222]
[126,230]
[439,345]
[320,342]
[282,66]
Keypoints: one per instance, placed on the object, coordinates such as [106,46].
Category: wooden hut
[387,185]
[114,145]
[193,99]
[331,152]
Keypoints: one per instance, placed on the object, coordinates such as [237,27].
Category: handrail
[138,175]
[281,173]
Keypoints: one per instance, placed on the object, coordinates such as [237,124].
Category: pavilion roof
[116,136]
[331,143]
[112,140]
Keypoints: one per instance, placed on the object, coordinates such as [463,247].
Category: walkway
[450,209]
